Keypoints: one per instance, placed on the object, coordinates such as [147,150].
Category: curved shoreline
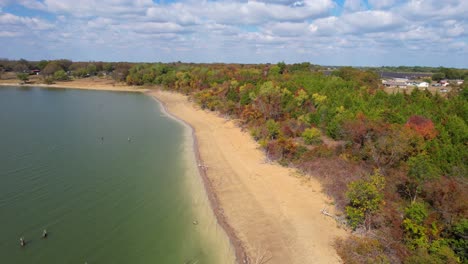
[236,243]
[268,213]
[81,86]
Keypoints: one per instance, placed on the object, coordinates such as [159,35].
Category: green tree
[421,170]
[61,75]
[108,67]
[273,129]
[413,226]
[282,67]
[23,77]
[459,240]
[311,136]
[41,65]
[365,198]
[91,69]
[438,76]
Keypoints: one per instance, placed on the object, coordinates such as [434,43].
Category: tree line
[396,164]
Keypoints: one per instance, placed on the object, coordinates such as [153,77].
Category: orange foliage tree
[423,126]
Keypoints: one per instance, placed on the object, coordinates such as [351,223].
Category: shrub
[357,250]
[365,197]
[415,231]
[273,128]
[311,136]
[49,80]
[459,243]
[422,256]
[61,75]
[22,76]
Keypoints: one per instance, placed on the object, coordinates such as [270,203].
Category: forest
[394,163]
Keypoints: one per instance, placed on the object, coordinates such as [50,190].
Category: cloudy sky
[327,32]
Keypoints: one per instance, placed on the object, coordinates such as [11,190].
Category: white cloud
[177,12]
[12,21]
[253,12]
[86,8]
[286,29]
[367,21]
[354,5]
[357,23]
[455,29]
[434,9]
[379,4]
[155,27]
[240,30]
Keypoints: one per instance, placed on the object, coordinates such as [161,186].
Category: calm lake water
[66,165]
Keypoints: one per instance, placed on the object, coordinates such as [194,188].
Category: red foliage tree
[423,126]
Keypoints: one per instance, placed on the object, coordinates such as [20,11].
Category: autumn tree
[51,68]
[64,64]
[121,70]
[268,100]
[391,145]
[423,126]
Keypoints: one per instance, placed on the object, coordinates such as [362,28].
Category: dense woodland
[396,164]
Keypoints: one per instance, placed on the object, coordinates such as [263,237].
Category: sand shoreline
[275,218]
[80,85]
[239,251]
[269,215]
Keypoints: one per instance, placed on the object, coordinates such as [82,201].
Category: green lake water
[66,165]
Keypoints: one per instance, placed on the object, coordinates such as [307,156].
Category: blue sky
[327,32]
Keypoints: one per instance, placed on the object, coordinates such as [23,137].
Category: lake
[109,176]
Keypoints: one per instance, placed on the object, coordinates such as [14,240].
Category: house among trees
[396,82]
[404,83]
[424,85]
[444,83]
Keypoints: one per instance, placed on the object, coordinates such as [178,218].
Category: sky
[325,32]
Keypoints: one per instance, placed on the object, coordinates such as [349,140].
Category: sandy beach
[271,214]
[83,84]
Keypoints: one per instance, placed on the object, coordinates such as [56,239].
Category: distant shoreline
[82,84]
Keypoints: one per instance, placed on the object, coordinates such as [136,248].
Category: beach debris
[22,242]
[340,220]
[202,166]
[44,233]
[261,256]
[195,222]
